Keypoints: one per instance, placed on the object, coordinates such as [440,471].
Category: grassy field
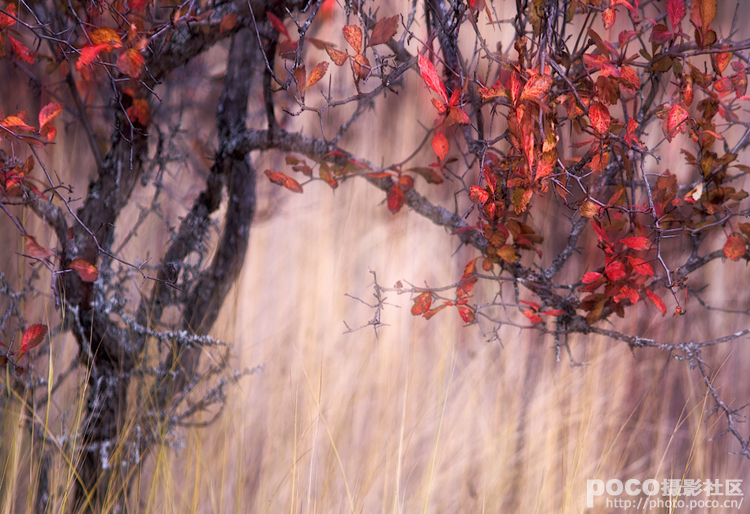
[424,416]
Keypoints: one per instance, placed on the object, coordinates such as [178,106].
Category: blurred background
[422,416]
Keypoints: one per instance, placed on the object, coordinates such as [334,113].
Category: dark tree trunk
[110,352]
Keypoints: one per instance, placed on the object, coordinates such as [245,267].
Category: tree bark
[112,352]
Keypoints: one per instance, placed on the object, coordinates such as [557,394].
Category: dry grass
[426,417]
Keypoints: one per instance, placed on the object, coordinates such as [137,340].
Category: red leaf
[130,63]
[466,313]
[440,145]
[361,67]
[317,73]
[676,12]
[383,31]
[533,305]
[595,61]
[457,115]
[23,52]
[35,249]
[5,20]
[353,36]
[608,17]
[629,79]
[406,183]
[599,116]
[722,61]
[636,243]
[515,87]
[724,85]
[470,268]
[139,112]
[228,22]
[490,177]
[430,76]
[521,199]
[90,52]
[85,270]
[464,290]
[455,98]
[590,277]
[430,313]
[702,13]
[283,180]
[478,195]
[657,301]
[325,173]
[553,312]
[300,74]
[626,292]
[734,248]
[532,316]
[536,87]
[16,122]
[677,116]
[337,56]
[430,174]
[739,82]
[277,24]
[105,36]
[288,49]
[46,115]
[31,339]
[641,267]
[137,5]
[396,199]
[508,254]
[615,271]
[625,36]
[660,34]
[421,304]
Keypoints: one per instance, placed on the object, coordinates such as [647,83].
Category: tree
[570,118]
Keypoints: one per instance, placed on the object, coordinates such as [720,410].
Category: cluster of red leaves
[467,312]
[534,312]
[15,127]
[304,81]
[328,171]
[86,271]
[627,269]
[498,224]
[15,177]
[138,111]
[382,32]
[531,95]
[7,20]
[104,40]
[449,111]
[532,131]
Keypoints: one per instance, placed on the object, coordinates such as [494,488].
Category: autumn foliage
[625,122]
